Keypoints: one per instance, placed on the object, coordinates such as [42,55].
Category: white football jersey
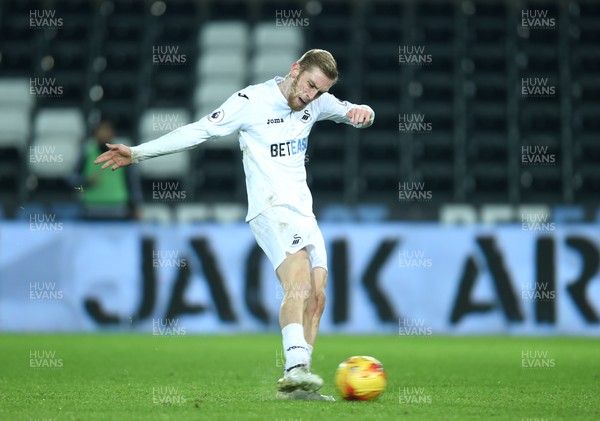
[273,139]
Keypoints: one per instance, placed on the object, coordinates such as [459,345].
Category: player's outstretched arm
[223,121]
[118,156]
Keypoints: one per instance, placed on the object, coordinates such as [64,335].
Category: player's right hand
[117,155]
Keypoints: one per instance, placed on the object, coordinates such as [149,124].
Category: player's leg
[277,231]
[299,384]
[316,301]
[295,278]
[315,305]
[312,317]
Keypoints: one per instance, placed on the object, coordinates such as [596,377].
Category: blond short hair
[321,59]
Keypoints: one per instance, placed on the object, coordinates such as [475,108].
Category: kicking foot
[299,378]
[304,395]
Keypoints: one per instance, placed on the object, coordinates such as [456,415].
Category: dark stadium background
[469,93]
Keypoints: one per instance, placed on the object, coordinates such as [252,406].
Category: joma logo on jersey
[291,147]
[274,120]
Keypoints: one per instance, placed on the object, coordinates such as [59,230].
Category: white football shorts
[282,229]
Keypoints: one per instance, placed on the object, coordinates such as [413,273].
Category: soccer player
[274,120]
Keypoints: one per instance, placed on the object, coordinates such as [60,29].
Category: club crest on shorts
[296,241]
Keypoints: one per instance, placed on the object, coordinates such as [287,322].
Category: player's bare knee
[298,276]
[297,291]
[297,285]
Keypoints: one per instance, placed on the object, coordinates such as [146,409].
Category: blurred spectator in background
[106,195]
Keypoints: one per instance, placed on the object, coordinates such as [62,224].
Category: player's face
[307,86]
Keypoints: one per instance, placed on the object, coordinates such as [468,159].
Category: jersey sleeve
[226,119]
[334,109]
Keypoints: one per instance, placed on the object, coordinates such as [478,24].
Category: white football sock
[310,350]
[295,348]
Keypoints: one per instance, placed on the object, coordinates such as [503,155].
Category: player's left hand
[359,115]
[117,155]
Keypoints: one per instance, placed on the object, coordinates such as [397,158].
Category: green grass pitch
[136,377]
